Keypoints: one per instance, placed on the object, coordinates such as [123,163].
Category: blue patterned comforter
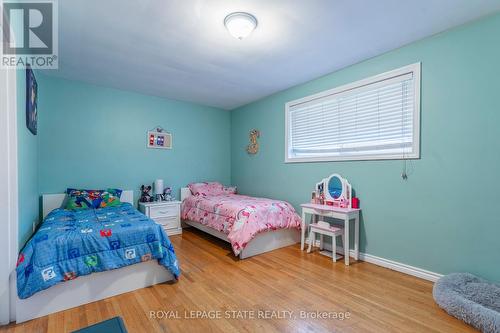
[74,243]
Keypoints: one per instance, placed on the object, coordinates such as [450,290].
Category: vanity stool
[325,229]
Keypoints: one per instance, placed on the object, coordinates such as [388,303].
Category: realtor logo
[29,34]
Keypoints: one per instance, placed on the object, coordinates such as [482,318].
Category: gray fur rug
[471,299]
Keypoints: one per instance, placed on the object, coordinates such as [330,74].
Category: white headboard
[53,201]
[185,193]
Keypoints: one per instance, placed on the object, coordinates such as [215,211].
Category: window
[376,118]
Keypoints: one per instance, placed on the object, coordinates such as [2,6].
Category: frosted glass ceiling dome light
[240,24]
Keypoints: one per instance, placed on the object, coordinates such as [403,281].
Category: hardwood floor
[214,281]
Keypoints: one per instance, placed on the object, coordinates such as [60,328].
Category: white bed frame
[263,242]
[88,288]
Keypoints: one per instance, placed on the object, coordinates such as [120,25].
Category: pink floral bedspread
[240,217]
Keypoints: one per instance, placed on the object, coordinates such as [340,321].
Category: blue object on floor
[113,325]
[471,299]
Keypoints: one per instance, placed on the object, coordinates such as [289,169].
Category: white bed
[88,288]
[263,242]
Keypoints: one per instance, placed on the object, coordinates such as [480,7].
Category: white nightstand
[166,213]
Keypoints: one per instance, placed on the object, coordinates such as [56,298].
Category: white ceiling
[180,49]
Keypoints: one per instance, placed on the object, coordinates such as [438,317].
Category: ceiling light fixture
[240,24]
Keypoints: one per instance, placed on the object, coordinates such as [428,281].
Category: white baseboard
[394,265]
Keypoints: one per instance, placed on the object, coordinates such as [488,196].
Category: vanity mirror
[335,187]
[334,191]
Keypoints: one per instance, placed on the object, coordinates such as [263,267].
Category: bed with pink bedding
[241,218]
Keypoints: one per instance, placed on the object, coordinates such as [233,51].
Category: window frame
[415,69]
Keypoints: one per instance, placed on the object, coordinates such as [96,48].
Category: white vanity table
[345,214]
[335,194]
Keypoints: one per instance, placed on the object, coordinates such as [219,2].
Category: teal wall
[95,137]
[27,166]
[444,217]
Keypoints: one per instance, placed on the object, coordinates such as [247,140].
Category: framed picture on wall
[159,139]
[31,101]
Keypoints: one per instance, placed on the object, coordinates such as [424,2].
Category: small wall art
[253,147]
[31,101]
[159,139]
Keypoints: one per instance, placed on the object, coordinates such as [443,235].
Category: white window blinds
[374,118]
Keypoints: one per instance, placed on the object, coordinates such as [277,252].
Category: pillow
[212,188]
[91,199]
[230,190]
[83,199]
[110,198]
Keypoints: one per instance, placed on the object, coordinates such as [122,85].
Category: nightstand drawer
[164,211]
[168,222]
